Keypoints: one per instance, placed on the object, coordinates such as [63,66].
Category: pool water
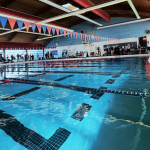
[55,105]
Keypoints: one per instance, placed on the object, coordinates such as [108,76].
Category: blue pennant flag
[33,25]
[44,29]
[83,36]
[79,35]
[53,30]
[68,33]
[74,35]
[87,37]
[91,37]
[20,24]
[3,21]
[61,31]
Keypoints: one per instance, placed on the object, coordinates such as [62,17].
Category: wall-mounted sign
[54,52]
[93,33]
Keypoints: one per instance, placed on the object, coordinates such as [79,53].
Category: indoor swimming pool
[84,104]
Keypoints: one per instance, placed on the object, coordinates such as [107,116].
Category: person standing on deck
[128,49]
[17,57]
[148,46]
[37,56]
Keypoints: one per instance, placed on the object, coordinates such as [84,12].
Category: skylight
[70,7]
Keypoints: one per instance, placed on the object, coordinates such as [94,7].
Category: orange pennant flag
[39,27]
[49,30]
[71,34]
[85,36]
[27,25]
[64,33]
[57,30]
[89,37]
[76,34]
[93,37]
[12,22]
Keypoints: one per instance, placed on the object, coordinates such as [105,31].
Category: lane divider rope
[85,89]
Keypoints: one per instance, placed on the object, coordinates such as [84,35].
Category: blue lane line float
[76,88]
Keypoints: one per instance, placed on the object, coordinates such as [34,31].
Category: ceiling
[36,8]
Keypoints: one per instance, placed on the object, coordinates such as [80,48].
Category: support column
[4,52]
[43,52]
[26,51]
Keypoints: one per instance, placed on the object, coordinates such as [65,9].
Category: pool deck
[80,58]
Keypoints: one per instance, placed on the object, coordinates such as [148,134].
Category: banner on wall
[54,52]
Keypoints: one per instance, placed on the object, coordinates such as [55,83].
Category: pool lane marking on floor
[110,81]
[63,78]
[118,74]
[20,94]
[80,113]
[99,93]
[29,138]
[75,88]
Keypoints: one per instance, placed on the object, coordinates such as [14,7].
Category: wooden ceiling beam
[7,2]
[127,8]
[47,42]
[34,39]
[43,10]
[12,35]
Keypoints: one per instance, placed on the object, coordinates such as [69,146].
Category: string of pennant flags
[76,35]
[26,48]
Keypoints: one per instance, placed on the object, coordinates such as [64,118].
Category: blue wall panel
[120,32]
